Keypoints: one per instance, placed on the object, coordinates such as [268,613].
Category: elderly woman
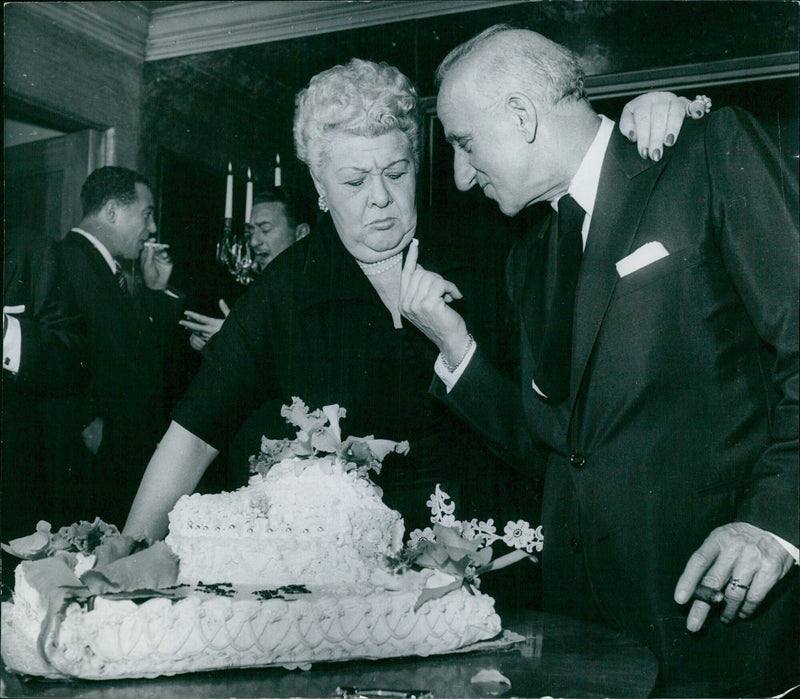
[323,321]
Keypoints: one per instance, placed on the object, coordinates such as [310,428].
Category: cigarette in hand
[157,246]
[708,594]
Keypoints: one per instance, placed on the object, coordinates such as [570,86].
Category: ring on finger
[698,107]
[736,582]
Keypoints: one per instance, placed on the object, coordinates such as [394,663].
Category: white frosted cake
[240,627]
[306,522]
[304,564]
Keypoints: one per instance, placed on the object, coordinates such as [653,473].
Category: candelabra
[233,247]
[234,251]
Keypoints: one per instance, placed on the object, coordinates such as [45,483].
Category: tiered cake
[305,564]
[306,522]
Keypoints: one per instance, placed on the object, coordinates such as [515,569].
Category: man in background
[277,220]
[658,316]
[121,415]
[44,355]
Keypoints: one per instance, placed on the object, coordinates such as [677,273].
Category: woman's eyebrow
[356,168]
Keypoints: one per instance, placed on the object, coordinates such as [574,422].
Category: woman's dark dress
[313,327]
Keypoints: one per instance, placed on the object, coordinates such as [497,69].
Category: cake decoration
[318,432]
[305,564]
[463,549]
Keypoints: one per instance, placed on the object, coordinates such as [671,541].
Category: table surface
[560,656]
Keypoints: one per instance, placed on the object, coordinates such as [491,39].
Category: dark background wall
[56,77]
[237,104]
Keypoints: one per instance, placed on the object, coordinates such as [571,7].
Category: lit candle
[229,193]
[248,199]
[277,169]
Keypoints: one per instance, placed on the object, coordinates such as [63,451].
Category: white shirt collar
[583,187]
[102,249]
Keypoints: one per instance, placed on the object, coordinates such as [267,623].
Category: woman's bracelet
[451,368]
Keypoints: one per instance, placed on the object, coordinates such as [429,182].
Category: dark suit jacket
[128,339]
[53,345]
[52,363]
[683,413]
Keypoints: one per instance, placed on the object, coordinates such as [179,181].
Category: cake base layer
[242,627]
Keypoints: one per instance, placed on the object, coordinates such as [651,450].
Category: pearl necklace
[373,269]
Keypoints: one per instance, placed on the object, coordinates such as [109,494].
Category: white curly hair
[360,97]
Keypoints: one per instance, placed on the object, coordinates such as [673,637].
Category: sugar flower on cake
[441,509]
[463,549]
[319,433]
[81,537]
[519,535]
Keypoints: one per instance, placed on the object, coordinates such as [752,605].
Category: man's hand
[203,327]
[424,299]
[93,435]
[156,266]
[738,559]
[652,121]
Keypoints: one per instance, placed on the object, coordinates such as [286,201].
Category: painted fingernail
[643,153]
[656,155]
[632,136]
[670,139]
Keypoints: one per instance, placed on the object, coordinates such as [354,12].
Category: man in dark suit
[658,319]
[44,355]
[122,415]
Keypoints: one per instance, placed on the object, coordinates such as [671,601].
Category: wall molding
[121,26]
[683,77]
[199,27]
[734,70]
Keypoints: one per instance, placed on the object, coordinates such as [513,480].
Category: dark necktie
[554,351]
[120,277]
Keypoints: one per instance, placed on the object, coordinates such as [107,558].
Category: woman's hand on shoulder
[652,121]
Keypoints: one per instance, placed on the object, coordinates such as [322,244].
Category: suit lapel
[626,182]
[109,285]
[13,275]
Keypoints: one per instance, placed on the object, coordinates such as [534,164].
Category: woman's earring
[322,202]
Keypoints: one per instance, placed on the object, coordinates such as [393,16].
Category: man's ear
[523,111]
[301,231]
[109,210]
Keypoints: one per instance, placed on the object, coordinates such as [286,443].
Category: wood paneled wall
[70,75]
[237,103]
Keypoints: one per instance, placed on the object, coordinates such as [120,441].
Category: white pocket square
[641,257]
[14,310]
